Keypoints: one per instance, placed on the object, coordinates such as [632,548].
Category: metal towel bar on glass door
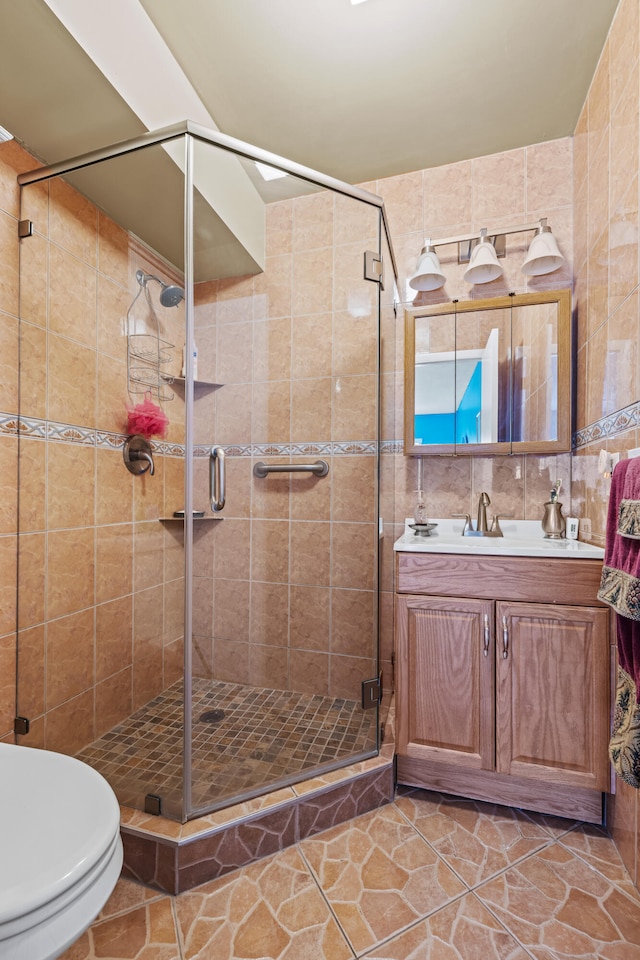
[320,468]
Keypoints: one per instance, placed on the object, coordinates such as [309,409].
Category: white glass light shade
[428,275]
[543,255]
[483,264]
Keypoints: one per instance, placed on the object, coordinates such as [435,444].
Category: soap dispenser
[553,523]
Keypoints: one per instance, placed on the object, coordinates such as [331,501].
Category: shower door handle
[216,478]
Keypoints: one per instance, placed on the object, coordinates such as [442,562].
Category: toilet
[60,850]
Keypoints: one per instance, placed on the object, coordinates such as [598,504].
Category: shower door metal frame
[232,144]
[187,679]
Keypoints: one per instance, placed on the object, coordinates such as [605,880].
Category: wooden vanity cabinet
[503,691]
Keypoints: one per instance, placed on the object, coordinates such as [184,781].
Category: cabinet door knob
[505,638]
[487,635]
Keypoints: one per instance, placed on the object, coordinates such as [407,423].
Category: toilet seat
[61,852]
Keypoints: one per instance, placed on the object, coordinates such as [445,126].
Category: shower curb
[177,864]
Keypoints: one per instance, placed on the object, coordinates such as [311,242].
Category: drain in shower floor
[212,716]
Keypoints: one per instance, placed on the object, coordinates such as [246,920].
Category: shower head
[170,295]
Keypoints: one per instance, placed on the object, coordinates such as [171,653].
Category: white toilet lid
[57,818]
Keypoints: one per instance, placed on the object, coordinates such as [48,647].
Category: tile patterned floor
[243,737]
[427,877]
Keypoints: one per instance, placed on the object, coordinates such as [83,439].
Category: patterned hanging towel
[620,589]
[624,746]
[620,582]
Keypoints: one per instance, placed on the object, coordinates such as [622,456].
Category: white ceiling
[358,92]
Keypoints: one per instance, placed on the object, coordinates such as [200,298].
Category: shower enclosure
[199,468]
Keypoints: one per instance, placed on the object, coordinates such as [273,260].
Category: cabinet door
[445,680]
[552,671]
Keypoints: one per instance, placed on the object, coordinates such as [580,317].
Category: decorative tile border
[328,449]
[392,446]
[62,431]
[12,425]
[610,426]
[164,448]
[9,425]
[50,430]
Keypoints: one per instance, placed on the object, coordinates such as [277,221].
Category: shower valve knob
[138,456]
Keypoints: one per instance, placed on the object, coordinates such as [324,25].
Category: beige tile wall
[606,166]
[501,190]
[284,591]
[99,630]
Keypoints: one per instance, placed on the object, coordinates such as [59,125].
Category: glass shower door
[283,582]
[100,649]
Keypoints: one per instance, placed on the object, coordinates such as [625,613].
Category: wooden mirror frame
[563,441]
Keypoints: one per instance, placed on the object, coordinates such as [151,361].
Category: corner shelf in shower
[179,383]
[182,519]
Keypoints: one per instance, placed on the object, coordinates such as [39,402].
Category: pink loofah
[147,419]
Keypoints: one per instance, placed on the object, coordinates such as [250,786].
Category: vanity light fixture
[543,255]
[482,251]
[428,275]
[483,263]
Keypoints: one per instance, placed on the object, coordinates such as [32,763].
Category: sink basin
[522,538]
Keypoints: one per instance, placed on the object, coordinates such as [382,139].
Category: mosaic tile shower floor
[243,738]
[427,877]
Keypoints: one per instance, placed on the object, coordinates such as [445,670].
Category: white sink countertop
[522,538]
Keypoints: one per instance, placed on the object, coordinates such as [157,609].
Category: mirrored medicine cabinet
[489,376]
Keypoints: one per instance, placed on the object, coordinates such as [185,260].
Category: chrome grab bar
[320,468]
[216,478]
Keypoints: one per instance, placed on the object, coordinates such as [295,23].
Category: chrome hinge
[371,692]
[153,804]
[20,725]
[25,229]
[374,267]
